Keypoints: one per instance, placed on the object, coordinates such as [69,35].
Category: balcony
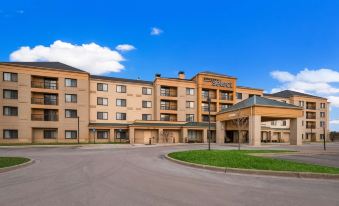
[165,107]
[311,105]
[45,84]
[45,117]
[44,101]
[226,96]
[310,125]
[168,91]
[310,115]
[205,109]
[205,118]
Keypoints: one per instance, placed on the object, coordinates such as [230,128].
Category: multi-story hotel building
[50,102]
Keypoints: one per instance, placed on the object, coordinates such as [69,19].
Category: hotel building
[50,102]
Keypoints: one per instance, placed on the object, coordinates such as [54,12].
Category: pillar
[296,131]
[131,135]
[254,129]
[204,136]
[184,135]
[160,136]
[220,132]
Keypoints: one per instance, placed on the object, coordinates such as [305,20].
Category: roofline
[218,75]
[244,87]
[260,105]
[118,79]
[52,69]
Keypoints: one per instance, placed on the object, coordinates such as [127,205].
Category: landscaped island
[11,161]
[244,159]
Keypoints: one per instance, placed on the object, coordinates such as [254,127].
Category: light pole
[324,136]
[209,123]
[78,130]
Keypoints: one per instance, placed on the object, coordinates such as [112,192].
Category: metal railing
[211,96]
[44,85]
[44,101]
[168,93]
[44,117]
[168,107]
[205,109]
[172,119]
[226,97]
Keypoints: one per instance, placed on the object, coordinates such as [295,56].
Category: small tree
[165,136]
[241,122]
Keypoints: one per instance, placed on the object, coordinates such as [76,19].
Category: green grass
[11,161]
[243,159]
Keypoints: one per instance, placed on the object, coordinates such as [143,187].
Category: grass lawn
[243,159]
[11,161]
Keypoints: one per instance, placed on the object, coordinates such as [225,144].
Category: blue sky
[247,39]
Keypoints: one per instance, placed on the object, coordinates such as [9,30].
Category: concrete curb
[14,167]
[257,172]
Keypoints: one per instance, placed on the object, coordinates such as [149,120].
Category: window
[165,117]
[71,113]
[189,104]
[71,98]
[189,117]
[102,101]
[10,94]
[146,104]
[121,103]
[50,134]
[283,101]
[146,91]
[10,134]
[322,136]
[273,123]
[121,116]
[121,134]
[70,82]
[10,111]
[102,115]
[10,77]
[239,95]
[146,117]
[121,88]
[71,134]
[102,134]
[322,114]
[322,105]
[322,124]
[284,123]
[301,103]
[189,91]
[102,87]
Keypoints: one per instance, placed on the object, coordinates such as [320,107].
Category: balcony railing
[172,119]
[44,101]
[205,109]
[311,116]
[44,85]
[44,117]
[211,96]
[168,107]
[226,97]
[168,93]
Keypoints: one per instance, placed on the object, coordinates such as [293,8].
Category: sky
[273,45]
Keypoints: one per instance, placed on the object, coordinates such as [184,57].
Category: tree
[165,136]
[242,123]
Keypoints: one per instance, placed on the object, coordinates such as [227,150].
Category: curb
[14,167]
[257,172]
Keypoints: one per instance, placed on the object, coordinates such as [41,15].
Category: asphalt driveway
[141,176]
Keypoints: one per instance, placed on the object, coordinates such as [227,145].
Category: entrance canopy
[258,109]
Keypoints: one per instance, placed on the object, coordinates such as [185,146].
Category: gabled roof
[290,93]
[259,101]
[45,65]
[213,73]
[121,79]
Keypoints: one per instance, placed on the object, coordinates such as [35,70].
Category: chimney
[157,75]
[181,75]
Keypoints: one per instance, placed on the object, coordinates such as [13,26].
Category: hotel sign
[218,83]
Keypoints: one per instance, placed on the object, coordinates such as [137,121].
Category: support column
[160,136]
[204,136]
[131,135]
[220,132]
[184,135]
[254,129]
[295,131]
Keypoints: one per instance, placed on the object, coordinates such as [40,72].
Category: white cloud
[282,76]
[336,121]
[156,31]
[90,57]
[125,47]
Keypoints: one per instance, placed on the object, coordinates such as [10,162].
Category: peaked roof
[290,93]
[121,79]
[213,73]
[47,65]
[261,101]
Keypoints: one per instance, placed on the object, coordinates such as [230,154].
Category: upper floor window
[102,115]
[239,95]
[283,123]
[71,98]
[10,111]
[10,134]
[189,104]
[274,123]
[71,113]
[301,103]
[102,87]
[11,77]
[189,91]
[189,117]
[322,105]
[146,104]
[322,114]
[102,101]
[10,94]
[146,117]
[146,91]
[322,124]
[121,102]
[70,82]
[121,88]
[121,116]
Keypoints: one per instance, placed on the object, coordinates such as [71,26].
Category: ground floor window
[322,136]
[50,133]
[194,136]
[121,134]
[71,134]
[102,134]
[10,134]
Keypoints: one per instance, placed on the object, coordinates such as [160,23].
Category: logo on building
[218,83]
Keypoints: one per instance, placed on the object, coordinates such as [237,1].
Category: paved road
[140,176]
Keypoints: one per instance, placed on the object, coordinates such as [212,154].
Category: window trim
[76,98]
[147,89]
[102,88]
[121,101]
[10,115]
[116,116]
[72,131]
[122,90]
[145,104]
[55,130]
[190,89]
[106,131]
[102,101]
[71,80]
[76,112]
[142,117]
[11,77]
[102,116]
[11,130]
[10,90]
